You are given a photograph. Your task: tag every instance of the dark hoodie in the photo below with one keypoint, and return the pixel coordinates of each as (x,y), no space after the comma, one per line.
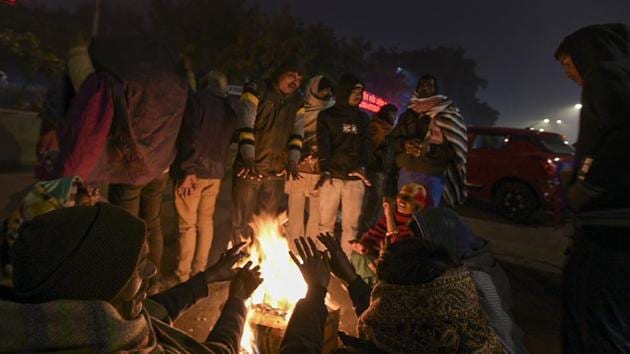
(342,134)
(601,54)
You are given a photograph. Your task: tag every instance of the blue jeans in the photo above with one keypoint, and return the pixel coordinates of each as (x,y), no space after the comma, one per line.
(433,184)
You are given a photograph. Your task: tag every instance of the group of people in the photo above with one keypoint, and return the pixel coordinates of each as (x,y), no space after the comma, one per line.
(420,280)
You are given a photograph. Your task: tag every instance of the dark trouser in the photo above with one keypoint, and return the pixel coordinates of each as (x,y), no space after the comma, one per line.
(596,294)
(372,202)
(144,201)
(251,197)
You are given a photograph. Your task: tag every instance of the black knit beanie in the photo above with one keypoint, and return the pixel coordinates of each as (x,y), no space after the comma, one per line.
(80,253)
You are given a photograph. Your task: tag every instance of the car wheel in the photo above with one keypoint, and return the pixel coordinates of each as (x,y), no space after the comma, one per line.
(516,201)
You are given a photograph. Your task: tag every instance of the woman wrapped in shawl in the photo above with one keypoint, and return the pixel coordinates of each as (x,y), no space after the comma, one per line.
(445,228)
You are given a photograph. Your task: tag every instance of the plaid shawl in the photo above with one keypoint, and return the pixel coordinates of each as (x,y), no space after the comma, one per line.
(447,116)
(443,316)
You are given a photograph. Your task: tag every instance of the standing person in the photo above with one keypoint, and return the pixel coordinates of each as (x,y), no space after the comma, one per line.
(122,125)
(271,129)
(380,163)
(596,290)
(431,144)
(204,149)
(318,96)
(344,145)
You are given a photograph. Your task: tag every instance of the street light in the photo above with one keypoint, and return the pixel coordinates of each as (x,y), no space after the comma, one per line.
(546,120)
(559,121)
(541,130)
(578,106)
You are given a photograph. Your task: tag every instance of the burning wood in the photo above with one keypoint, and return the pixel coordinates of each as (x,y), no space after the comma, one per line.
(271,305)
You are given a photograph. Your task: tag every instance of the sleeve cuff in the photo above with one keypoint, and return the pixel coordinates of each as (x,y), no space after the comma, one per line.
(294,155)
(247,151)
(316,293)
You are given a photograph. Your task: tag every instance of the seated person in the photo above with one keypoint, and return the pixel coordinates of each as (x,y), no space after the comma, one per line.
(79,284)
(449,231)
(395,224)
(424,302)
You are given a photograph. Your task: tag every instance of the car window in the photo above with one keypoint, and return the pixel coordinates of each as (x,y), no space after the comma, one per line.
(489,142)
(556,145)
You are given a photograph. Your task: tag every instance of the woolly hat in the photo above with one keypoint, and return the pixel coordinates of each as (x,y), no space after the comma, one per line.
(416,193)
(80,253)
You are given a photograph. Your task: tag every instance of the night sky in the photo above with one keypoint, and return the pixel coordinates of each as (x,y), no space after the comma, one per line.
(512,42)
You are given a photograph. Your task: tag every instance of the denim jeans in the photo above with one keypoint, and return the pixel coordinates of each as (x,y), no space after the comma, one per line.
(195,214)
(144,201)
(251,197)
(433,184)
(299,192)
(349,195)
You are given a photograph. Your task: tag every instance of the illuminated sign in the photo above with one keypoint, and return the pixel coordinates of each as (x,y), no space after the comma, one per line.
(372,102)
(9,2)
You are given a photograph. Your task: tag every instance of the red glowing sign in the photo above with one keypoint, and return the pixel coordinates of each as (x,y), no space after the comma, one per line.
(372,102)
(9,2)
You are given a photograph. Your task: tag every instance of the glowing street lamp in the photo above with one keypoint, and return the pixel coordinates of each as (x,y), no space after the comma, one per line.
(559,121)
(546,120)
(578,106)
(541,130)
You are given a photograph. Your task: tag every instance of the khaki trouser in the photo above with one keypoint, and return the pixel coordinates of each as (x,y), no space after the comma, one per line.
(196,227)
(348,195)
(298,192)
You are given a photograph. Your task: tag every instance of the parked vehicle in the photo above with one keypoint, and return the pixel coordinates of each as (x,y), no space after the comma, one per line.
(518,170)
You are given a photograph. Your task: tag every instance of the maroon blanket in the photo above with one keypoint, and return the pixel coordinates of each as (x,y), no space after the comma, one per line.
(83,135)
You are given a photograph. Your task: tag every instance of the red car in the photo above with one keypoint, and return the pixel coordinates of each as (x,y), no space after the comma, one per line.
(517,169)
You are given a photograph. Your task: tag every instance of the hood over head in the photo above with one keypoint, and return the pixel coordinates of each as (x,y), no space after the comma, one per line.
(593,45)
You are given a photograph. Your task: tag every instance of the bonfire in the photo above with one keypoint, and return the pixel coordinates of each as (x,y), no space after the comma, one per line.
(271,305)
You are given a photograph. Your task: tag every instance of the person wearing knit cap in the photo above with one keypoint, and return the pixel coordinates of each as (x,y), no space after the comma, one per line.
(317,97)
(80,283)
(270,133)
(394,225)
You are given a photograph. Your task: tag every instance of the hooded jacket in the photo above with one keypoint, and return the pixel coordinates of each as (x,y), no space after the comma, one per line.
(312,106)
(601,54)
(342,134)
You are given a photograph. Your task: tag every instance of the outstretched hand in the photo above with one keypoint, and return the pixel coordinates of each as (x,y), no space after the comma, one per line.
(339,263)
(223,269)
(245,282)
(314,265)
